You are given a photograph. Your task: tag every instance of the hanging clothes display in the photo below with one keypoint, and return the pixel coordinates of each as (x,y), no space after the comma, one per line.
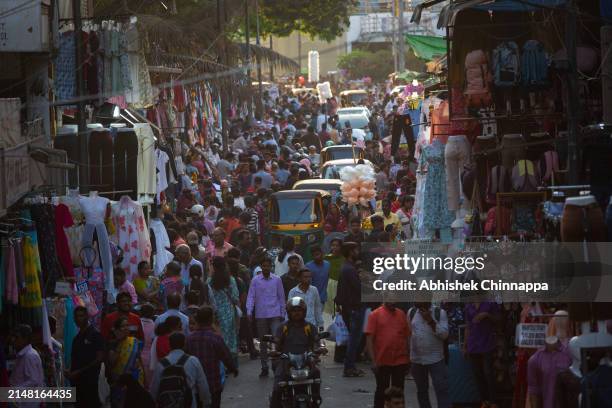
(63,219)
(435,209)
(43,216)
(146,161)
(162,256)
(65,75)
(95,210)
(131,234)
(74,233)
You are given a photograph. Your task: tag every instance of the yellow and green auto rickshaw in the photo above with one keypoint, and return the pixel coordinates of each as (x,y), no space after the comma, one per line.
(300,214)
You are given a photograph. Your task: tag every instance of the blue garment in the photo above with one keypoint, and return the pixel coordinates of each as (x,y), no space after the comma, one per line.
(281,176)
(70,331)
(65,63)
(356,317)
(435,213)
(320,277)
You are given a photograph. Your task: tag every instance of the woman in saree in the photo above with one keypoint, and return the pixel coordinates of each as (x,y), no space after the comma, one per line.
(123,358)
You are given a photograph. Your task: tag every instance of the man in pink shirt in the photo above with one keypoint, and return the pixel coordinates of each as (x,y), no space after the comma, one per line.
(28,371)
(123,285)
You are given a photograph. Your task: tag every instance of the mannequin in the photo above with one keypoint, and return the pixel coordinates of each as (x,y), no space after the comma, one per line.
(559,326)
(600,338)
(95,210)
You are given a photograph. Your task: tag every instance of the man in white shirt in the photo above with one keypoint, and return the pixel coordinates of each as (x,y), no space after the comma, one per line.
(241,143)
(184,257)
(310,294)
(427,352)
(196,379)
(174,303)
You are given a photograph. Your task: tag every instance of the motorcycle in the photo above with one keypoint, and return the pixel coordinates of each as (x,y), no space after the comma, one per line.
(296,391)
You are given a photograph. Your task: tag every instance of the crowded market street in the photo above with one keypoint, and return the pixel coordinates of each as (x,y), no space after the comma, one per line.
(304,204)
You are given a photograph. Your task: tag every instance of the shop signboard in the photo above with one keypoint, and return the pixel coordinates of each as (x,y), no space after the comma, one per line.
(24,26)
(530,335)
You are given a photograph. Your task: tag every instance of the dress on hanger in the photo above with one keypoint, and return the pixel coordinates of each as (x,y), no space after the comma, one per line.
(94,210)
(63,219)
(74,234)
(131,234)
(162,256)
(435,209)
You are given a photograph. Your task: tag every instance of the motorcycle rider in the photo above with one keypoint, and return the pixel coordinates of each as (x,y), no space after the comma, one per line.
(295,336)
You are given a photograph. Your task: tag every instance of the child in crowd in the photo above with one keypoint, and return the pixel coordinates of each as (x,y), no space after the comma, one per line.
(172,283)
(148,327)
(123,285)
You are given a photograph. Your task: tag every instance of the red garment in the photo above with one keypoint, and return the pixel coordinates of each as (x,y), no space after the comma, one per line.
(134,324)
(179,98)
(335,223)
(63,219)
(231,224)
(198,164)
(162,348)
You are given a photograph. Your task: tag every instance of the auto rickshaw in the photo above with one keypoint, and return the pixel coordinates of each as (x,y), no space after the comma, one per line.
(332,186)
(300,214)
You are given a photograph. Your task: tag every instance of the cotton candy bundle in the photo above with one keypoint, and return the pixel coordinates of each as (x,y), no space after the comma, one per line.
(358,184)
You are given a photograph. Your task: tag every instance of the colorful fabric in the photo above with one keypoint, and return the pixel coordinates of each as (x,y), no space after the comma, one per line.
(32,296)
(132,234)
(225,300)
(128,359)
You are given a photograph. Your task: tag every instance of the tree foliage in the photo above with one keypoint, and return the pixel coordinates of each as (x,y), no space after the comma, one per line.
(325,19)
(375,64)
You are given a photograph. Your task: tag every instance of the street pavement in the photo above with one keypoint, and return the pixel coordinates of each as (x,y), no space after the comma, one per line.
(248,390)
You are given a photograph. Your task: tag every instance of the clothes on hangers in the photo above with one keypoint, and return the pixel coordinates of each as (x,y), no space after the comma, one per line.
(131,234)
(63,219)
(44,217)
(162,256)
(94,209)
(146,175)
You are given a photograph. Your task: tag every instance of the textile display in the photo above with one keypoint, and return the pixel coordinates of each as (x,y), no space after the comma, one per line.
(131,234)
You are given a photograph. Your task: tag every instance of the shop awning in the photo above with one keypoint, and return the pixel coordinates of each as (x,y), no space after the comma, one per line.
(425,46)
(449,11)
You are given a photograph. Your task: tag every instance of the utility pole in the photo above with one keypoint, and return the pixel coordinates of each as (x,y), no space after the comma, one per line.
(80,86)
(259,84)
(573,108)
(400,34)
(271,65)
(223,60)
(247,43)
(394,34)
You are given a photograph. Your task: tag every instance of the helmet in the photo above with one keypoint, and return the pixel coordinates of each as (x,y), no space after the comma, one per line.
(329,143)
(296,302)
(198,210)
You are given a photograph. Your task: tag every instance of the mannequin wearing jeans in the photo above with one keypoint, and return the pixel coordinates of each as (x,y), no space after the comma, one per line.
(456,155)
(94,209)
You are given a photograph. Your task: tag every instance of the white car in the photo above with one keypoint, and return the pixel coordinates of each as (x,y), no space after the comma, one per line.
(360,123)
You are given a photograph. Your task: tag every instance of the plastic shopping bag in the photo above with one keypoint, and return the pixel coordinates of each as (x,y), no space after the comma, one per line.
(339,331)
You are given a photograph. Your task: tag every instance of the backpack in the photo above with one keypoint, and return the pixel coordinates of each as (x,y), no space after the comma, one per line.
(506,64)
(525,176)
(498,181)
(174,390)
(477,79)
(437,312)
(534,64)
